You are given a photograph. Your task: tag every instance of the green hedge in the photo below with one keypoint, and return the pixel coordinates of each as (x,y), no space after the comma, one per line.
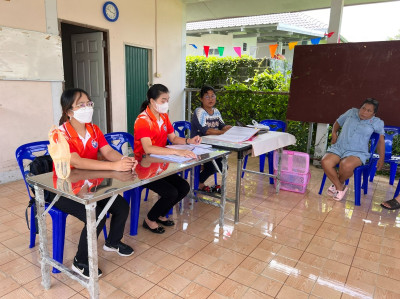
(217,71)
(249,91)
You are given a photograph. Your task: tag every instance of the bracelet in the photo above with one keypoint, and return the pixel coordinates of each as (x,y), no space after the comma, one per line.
(124,157)
(187,140)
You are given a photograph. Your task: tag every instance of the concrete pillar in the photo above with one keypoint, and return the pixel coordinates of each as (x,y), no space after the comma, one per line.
(52,28)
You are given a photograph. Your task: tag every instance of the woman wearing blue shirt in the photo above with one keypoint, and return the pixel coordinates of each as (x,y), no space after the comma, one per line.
(207,120)
(350,148)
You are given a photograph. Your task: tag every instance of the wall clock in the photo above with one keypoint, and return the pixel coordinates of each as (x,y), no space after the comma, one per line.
(110,11)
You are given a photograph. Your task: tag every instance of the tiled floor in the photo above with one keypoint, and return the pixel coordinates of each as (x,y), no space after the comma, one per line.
(288,245)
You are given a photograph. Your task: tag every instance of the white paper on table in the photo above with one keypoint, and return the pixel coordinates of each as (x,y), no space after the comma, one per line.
(273,140)
(236,134)
(187,147)
(201,150)
(173,158)
(198,149)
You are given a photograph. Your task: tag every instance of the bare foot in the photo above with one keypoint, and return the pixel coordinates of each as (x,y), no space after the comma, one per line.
(162,218)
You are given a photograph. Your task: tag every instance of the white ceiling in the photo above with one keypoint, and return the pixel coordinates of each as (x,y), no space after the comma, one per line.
(200,10)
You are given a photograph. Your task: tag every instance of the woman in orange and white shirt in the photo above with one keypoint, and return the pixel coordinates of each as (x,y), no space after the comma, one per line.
(152,128)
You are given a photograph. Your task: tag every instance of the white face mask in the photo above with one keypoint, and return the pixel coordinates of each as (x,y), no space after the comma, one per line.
(84,115)
(163,108)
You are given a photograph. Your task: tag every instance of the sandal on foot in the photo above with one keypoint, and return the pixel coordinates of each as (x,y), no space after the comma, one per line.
(206,189)
(339,195)
(216,189)
(166,222)
(393,203)
(158,230)
(331,190)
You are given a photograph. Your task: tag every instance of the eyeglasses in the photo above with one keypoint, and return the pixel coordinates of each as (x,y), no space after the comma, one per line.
(212,97)
(83,105)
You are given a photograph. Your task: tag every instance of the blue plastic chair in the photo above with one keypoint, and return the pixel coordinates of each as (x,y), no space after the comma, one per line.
(182,128)
(274,125)
(363,170)
(390,133)
(27,152)
(116,140)
(396,193)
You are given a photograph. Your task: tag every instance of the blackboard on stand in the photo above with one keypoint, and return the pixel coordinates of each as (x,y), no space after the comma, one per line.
(329,79)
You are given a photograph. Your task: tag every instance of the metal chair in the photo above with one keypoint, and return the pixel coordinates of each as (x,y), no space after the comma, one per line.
(116,140)
(274,125)
(390,133)
(363,170)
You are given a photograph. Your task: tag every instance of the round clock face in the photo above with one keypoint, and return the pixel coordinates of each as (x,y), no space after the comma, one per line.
(110,11)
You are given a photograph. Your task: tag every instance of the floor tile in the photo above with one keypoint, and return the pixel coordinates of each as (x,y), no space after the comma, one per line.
(285,245)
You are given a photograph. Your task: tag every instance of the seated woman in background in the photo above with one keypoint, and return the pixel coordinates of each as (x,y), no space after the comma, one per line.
(207,120)
(85,142)
(152,128)
(350,149)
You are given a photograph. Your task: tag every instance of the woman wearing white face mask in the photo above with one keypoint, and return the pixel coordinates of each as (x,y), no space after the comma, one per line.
(85,142)
(152,128)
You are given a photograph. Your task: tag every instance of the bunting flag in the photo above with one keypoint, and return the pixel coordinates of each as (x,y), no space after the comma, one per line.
(193,45)
(292,44)
(206,49)
(272,49)
(221,51)
(329,34)
(238,51)
(315,41)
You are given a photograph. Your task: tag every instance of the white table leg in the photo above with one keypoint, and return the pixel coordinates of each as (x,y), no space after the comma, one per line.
(278,177)
(44,252)
(238,185)
(223,190)
(92,250)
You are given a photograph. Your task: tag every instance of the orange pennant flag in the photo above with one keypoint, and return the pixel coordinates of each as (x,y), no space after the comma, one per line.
(291,45)
(272,49)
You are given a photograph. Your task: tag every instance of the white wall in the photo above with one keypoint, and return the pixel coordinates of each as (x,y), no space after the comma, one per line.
(26,109)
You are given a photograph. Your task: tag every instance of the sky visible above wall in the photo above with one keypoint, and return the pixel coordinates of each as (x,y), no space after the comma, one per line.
(370,22)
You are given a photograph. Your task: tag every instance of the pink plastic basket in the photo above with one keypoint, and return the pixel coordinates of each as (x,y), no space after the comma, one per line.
(295,170)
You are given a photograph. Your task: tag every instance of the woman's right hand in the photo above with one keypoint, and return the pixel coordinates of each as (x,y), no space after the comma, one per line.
(186,153)
(334,138)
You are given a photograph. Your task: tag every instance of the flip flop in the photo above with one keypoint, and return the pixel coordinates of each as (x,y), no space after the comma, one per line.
(393,203)
(331,190)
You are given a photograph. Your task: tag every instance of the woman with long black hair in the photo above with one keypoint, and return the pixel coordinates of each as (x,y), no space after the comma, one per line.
(152,128)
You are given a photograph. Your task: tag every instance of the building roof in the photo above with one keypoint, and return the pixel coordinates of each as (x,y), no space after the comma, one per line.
(296,19)
(285,26)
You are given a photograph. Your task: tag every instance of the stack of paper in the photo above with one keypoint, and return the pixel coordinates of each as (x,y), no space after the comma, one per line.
(198,149)
(236,134)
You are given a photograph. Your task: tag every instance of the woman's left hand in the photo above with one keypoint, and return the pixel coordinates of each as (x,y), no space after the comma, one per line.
(195,140)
